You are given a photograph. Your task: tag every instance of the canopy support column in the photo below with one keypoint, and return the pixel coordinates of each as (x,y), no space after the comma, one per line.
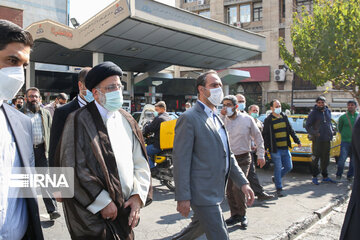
(30,75)
(97,58)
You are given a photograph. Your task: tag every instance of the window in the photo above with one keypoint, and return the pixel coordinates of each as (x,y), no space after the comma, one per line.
(257,12)
(245,13)
(189,1)
(205,13)
(307,4)
(232,15)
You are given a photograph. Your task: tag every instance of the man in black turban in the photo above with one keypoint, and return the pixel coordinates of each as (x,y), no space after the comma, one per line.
(104,145)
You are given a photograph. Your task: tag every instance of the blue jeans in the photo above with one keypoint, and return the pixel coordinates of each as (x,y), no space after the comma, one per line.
(283,165)
(151,151)
(345,152)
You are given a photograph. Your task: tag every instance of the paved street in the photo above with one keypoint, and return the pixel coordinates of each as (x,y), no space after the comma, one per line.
(267,220)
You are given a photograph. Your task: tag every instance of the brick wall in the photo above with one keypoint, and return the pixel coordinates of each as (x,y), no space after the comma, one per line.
(12,14)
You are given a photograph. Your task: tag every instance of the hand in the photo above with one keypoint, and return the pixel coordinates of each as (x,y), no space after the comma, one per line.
(57,196)
(183,207)
(261,162)
(135,204)
(110,211)
(223,111)
(299,145)
(249,194)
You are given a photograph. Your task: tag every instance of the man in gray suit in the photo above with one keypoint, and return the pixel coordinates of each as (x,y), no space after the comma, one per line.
(203,162)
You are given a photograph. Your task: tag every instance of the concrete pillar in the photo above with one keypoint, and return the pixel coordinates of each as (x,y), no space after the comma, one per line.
(97,58)
(152,90)
(226,89)
(30,75)
(130,83)
(217,10)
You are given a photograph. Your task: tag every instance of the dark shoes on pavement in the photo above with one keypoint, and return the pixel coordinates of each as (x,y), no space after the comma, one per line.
(315,181)
(264,196)
(54,215)
(279,193)
(328,180)
(237,219)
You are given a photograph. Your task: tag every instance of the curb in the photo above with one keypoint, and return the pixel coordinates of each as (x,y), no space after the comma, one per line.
(297,228)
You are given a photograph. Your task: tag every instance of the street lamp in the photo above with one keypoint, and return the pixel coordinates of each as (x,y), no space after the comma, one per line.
(74,22)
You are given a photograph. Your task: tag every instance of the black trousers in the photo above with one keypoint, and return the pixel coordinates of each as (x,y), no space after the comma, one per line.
(41,161)
(253,178)
(321,151)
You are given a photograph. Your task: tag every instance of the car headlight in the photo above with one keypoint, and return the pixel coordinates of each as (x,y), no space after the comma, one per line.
(301,149)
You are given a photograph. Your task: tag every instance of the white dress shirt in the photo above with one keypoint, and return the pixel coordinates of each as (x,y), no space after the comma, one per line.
(133,168)
(218,124)
(13,211)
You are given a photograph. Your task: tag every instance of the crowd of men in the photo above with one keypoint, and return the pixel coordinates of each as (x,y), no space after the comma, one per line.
(213,154)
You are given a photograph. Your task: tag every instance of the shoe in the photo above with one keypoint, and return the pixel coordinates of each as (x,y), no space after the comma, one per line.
(350,179)
(279,193)
(315,181)
(244,221)
(54,215)
(328,180)
(264,196)
(233,220)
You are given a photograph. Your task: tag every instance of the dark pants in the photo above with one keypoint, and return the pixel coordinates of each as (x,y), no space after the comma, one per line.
(41,161)
(321,151)
(236,198)
(253,178)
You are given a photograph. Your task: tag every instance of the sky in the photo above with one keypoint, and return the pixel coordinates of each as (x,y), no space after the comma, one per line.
(82,12)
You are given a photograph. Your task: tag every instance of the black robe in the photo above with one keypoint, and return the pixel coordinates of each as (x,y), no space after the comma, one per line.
(351,226)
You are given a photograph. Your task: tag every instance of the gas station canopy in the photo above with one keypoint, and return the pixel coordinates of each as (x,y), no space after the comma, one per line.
(142,36)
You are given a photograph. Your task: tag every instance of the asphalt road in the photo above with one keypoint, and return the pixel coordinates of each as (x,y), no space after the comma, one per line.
(267,220)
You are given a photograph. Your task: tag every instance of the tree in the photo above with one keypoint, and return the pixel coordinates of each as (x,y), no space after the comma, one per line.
(327,45)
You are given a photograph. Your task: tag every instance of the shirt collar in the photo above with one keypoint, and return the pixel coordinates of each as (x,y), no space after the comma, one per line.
(105,114)
(206,109)
(81,101)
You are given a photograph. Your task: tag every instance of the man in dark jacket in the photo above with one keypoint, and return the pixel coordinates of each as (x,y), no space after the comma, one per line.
(320,130)
(154,127)
(350,229)
(276,134)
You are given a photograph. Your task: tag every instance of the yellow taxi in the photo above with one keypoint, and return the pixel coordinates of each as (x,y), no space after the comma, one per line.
(303,153)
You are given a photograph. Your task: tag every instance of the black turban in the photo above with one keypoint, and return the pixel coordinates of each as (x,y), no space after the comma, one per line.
(100,72)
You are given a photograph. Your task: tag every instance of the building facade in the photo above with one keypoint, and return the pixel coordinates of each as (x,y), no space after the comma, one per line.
(269,77)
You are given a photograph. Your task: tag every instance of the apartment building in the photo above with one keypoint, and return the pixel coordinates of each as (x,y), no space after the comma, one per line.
(269,77)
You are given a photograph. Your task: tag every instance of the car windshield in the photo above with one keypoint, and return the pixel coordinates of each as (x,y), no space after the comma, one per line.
(298,124)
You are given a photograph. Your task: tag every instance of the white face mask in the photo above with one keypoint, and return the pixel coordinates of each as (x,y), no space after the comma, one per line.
(11,80)
(229,111)
(216,96)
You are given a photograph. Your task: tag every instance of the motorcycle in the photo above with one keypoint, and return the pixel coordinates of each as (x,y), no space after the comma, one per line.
(163,169)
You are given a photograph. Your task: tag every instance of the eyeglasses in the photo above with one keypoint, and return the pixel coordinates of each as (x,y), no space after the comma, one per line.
(113,87)
(33,96)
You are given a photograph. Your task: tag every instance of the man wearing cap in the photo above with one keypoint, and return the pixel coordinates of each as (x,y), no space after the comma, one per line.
(104,145)
(320,130)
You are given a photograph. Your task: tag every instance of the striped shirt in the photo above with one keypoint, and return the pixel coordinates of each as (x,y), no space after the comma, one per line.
(279,126)
(37,127)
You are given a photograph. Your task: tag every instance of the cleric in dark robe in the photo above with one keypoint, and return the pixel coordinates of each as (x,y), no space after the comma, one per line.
(351,227)
(105,146)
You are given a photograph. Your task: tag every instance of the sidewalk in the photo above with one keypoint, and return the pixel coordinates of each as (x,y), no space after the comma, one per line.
(267,220)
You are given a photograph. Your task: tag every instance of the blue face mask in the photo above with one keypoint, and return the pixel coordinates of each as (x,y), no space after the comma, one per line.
(241,106)
(277,110)
(113,100)
(255,115)
(89,96)
(156,114)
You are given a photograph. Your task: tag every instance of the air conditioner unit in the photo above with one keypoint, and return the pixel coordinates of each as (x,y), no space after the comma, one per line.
(279,75)
(200,2)
(238,24)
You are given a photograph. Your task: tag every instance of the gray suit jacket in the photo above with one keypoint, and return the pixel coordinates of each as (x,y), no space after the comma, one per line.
(200,160)
(21,127)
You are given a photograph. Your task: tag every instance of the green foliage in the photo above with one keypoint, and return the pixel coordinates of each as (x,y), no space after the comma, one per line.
(327,44)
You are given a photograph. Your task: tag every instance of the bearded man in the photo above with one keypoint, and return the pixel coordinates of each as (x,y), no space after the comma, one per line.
(104,145)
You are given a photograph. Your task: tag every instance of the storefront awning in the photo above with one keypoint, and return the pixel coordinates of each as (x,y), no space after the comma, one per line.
(258,74)
(231,76)
(144,35)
